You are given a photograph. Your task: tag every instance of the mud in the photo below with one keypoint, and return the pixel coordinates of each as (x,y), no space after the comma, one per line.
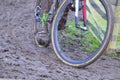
(21,58)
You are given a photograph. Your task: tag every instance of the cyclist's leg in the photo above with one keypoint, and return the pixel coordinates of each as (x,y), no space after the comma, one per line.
(42,35)
(63,20)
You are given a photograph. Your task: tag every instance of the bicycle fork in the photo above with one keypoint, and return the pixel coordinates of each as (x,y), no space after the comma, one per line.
(77,5)
(38,13)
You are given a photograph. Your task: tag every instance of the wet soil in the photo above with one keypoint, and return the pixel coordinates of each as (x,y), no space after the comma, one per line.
(21,58)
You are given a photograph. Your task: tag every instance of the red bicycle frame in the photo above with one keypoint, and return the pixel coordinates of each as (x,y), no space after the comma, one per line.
(84,12)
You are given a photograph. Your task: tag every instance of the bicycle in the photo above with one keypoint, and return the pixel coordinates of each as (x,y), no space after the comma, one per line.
(86,31)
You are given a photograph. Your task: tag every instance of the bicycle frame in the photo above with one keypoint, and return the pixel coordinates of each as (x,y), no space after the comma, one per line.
(77,8)
(77,5)
(84,12)
(71,9)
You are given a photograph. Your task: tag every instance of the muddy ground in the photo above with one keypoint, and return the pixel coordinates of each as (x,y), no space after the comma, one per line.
(21,58)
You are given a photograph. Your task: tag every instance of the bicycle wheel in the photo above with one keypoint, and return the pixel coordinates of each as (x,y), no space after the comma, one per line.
(78,47)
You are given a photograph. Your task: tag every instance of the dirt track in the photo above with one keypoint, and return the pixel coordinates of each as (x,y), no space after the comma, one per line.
(21,58)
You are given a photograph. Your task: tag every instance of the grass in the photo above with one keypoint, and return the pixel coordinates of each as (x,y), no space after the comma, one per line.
(87,41)
(44,19)
(118,41)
